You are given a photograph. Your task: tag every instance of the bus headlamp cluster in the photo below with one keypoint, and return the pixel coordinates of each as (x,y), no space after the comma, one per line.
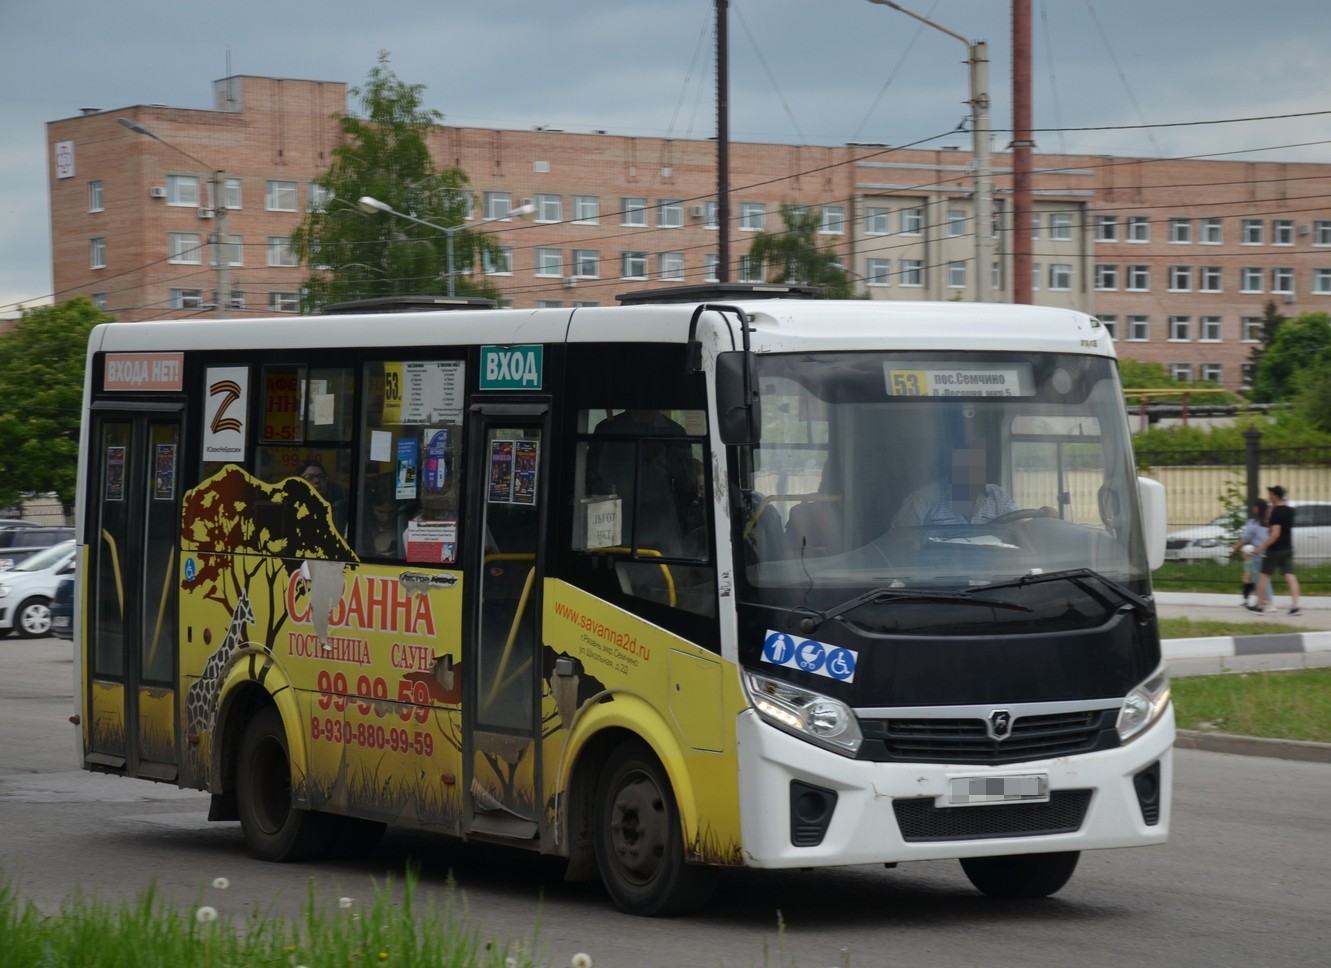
(1144,705)
(809,715)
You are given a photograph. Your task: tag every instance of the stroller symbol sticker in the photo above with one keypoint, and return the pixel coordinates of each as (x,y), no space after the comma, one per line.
(810,655)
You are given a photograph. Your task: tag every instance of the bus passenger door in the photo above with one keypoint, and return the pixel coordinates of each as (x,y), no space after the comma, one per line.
(506,513)
(130,592)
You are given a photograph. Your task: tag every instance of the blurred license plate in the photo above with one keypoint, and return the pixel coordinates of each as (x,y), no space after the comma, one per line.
(60,621)
(972,791)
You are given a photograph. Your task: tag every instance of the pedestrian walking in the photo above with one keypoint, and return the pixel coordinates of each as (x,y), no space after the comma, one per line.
(1251,535)
(1278,553)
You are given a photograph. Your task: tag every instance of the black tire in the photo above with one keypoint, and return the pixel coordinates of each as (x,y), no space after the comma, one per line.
(1021,875)
(32,618)
(274,828)
(640,841)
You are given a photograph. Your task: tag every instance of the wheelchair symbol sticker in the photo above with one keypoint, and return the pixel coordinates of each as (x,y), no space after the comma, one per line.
(189,569)
(810,655)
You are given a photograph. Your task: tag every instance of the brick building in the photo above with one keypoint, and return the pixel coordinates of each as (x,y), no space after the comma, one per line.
(1179,257)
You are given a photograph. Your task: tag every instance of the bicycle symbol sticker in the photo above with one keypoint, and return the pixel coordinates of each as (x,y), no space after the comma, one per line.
(809,655)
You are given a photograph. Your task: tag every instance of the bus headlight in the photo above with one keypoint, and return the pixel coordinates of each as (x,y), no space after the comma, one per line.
(1144,705)
(809,715)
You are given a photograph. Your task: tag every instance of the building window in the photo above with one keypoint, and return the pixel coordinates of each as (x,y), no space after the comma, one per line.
(877,272)
(1211,233)
(831,220)
(633,265)
(1282,280)
(586,209)
(1282,231)
(751,216)
(1106,228)
(280,252)
(233,247)
(1180,230)
(1210,279)
(184,248)
(498,205)
(1060,276)
(877,221)
(1253,328)
(550,262)
(1250,279)
(633,211)
(1247,371)
(498,263)
(710,263)
(587,263)
(912,221)
(1252,231)
(549,208)
(912,272)
(1035,225)
(182,190)
(1180,278)
(750,270)
(99,300)
(1106,276)
(549,304)
(1322,282)
(96,201)
(1322,231)
(1139,329)
(1182,372)
(670,266)
(670,214)
(1110,323)
(1060,226)
(1210,329)
(1139,278)
(1139,228)
(186,298)
(280,196)
(956,275)
(284,302)
(1213,372)
(317,197)
(956,223)
(711,215)
(1035,276)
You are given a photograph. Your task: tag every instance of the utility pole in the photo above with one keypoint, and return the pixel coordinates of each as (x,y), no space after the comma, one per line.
(1022,248)
(722,141)
(220,247)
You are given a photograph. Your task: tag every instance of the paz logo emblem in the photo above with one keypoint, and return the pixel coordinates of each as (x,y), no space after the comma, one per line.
(1000,724)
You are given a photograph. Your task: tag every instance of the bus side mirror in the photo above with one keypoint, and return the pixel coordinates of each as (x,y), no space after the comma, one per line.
(737,408)
(1151,498)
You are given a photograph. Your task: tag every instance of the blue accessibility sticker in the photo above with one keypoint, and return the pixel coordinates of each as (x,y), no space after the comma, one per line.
(810,655)
(189,569)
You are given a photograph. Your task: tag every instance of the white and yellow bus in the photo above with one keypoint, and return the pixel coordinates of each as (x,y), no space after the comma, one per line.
(657,588)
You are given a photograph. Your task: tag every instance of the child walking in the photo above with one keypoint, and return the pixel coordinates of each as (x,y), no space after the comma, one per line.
(1251,536)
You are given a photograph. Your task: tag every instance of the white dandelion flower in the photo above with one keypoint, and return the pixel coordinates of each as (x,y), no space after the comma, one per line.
(221,883)
(345,902)
(205,914)
(581,960)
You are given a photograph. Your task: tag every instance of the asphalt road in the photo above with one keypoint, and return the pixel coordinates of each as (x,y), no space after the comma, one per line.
(1244,880)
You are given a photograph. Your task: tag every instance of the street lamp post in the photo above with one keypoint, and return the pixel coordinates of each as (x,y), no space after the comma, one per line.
(372,205)
(977,58)
(218,238)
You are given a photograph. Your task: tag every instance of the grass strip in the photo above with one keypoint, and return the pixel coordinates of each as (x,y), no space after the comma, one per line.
(1275,705)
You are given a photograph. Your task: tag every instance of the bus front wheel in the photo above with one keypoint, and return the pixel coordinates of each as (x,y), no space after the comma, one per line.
(274,828)
(1021,875)
(639,840)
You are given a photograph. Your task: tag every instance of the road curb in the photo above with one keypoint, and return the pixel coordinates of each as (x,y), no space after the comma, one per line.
(1284,749)
(1227,646)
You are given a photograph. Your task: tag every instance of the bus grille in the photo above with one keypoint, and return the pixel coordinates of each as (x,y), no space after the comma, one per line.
(921,820)
(968,741)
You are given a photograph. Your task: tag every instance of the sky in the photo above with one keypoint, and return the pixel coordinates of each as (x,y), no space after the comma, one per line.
(1142,78)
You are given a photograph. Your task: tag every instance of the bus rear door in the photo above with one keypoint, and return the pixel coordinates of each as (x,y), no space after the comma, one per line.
(133,515)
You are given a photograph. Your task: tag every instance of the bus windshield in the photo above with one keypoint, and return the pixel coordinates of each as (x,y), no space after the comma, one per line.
(933,471)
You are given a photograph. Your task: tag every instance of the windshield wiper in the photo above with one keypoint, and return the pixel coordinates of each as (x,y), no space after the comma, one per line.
(1083,578)
(812,618)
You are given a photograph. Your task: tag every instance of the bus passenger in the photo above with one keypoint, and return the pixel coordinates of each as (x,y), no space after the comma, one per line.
(316,475)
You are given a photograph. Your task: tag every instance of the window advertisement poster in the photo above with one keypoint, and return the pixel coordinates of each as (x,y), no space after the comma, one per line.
(432,542)
(164,472)
(115,473)
(526,458)
(436,461)
(225,413)
(407,468)
(501,472)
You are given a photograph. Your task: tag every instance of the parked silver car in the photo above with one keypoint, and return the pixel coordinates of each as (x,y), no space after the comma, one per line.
(26,590)
(1215,541)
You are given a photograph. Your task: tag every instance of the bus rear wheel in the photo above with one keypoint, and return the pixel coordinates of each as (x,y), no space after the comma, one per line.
(1021,875)
(274,828)
(639,839)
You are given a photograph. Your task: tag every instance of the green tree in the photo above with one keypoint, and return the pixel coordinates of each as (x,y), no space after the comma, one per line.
(385,154)
(1299,344)
(41,399)
(793,255)
(1272,320)
(1149,375)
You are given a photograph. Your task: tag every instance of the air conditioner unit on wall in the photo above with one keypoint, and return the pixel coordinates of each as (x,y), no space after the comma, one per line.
(157,191)
(697,211)
(205,213)
(570,282)
(1305,230)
